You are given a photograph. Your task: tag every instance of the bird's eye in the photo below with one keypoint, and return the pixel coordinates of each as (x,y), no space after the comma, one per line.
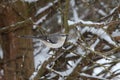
(51,41)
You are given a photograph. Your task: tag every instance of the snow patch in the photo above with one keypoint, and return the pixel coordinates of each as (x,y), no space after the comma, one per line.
(30,1)
(1,53)
(45,8)
(99,32)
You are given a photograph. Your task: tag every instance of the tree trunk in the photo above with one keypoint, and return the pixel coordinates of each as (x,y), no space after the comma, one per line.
(18,53)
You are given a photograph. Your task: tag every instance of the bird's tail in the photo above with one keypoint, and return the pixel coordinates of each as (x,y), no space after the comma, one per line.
(32,37)
(28,36)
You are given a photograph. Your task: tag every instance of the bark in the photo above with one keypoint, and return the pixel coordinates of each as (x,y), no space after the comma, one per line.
(18,53)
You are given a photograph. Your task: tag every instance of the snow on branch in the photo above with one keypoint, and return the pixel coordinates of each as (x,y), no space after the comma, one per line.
(96,52)
(45,7)
(40,21)
(113,11)
(96,28)
(92,24)
(91,76)
(30,1)
(100,33)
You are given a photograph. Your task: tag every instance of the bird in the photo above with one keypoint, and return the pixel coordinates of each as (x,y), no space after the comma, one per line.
(54,40)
